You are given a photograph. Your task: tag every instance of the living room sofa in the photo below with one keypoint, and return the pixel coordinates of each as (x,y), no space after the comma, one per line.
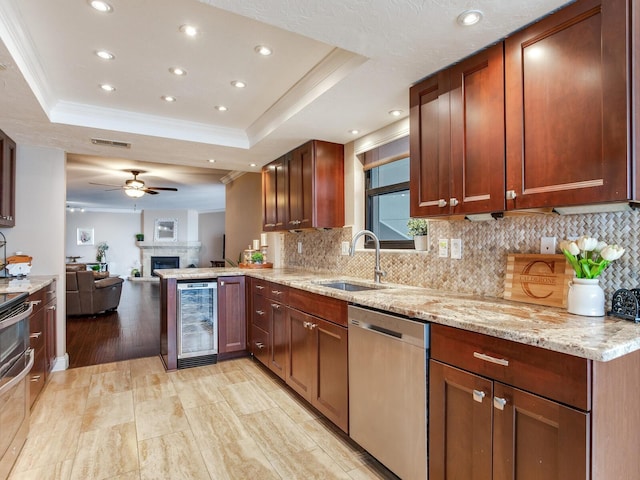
(88,295)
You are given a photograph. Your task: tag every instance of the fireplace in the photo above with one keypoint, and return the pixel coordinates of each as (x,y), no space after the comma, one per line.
(158,263)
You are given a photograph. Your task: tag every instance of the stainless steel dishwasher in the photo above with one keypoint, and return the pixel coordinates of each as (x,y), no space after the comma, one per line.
(388,389)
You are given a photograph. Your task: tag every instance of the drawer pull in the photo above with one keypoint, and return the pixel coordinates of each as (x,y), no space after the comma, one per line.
(499,403)
(35,335)
(478,395)
(260,312)
(35,378)
(259,287)
(260,345)
(276,292)
(275,306)
(487,358)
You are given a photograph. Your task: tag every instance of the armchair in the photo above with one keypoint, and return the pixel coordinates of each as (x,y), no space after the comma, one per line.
(87,295)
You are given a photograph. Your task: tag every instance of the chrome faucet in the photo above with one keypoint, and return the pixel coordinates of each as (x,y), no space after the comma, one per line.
(377,272)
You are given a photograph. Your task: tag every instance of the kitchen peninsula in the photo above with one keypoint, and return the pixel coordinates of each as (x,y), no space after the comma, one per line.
(567,379)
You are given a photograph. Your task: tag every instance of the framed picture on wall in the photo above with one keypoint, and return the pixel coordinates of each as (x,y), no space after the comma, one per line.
(84,236)
(166,230)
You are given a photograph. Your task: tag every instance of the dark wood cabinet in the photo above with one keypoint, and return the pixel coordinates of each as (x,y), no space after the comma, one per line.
(42,337)
(568,107)
(305,188)
(457,138)
(7,181)
(232,317)
(482,429)
(274,195)
(300,368)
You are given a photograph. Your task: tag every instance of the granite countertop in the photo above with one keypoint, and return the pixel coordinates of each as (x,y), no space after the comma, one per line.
(595,338)
(29,284)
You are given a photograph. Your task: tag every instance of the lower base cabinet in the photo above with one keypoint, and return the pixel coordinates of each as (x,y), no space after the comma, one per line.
(42,337)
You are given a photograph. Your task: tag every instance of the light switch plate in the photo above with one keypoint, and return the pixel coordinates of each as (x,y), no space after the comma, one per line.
(443,247)
(299,247)
(548,245)
(456,248)
(345,248)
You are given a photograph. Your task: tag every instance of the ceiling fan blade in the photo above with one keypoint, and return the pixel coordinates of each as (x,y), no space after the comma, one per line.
(105,184)
(150,192)
(168,189)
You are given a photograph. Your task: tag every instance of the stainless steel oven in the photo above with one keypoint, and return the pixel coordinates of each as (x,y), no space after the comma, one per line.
(16,360)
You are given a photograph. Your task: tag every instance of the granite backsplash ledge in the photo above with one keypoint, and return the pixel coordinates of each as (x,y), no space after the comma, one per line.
(485,246)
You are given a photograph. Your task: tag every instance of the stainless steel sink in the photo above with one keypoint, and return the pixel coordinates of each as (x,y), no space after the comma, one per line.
(349,287)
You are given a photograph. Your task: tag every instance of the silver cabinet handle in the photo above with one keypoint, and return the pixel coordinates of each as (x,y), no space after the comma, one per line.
(487,358)
(52,307)
(312,325)
(276,292)
(306,324)
(35,378)
(499,403)
(260,345)
(478,395)
(511,195)
(221,284)
(275,306)
(260,312)
(442,203)
(35,335)
(259,287)
(454,202)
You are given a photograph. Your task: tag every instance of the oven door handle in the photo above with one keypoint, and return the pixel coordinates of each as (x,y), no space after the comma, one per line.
(17,318)
(18,378)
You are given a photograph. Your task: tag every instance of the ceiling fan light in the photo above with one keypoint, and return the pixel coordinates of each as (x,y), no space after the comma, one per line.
(134,192)
(135,183)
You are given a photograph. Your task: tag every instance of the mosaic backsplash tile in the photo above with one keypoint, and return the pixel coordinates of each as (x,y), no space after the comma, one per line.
(485,246)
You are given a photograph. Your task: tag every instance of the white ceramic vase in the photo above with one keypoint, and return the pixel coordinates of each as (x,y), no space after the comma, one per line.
(421,242)
(585,297)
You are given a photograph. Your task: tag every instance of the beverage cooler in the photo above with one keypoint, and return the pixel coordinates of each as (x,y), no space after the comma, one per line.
(197,324)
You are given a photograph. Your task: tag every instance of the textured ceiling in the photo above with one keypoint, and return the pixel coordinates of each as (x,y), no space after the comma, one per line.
(336,66)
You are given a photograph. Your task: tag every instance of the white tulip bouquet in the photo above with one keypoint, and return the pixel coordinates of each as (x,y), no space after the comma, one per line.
(588,256)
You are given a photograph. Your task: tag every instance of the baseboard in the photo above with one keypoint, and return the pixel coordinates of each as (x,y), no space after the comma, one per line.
(62,363)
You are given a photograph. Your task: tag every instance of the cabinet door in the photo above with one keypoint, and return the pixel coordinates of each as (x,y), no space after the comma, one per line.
(278,346)
(477,133)
(331,387)
(7,181)
(232,326)
(274,195)
(566,107)
(430,146)
(300,365)
(536,438)
(460,411)
(50,329)
(300,187)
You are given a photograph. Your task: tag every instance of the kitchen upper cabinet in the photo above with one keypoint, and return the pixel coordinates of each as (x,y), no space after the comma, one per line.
(7,181)
(305,188)
(568,107)
(457,138)
(232,317)
(274,195)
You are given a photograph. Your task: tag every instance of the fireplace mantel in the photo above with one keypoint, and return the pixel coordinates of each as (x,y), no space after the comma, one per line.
(186,251)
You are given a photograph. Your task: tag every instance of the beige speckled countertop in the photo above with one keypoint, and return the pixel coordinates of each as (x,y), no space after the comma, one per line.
(595,338)
(29,284)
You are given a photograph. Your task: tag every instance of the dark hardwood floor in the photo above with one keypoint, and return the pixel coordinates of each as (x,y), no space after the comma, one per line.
(133,331)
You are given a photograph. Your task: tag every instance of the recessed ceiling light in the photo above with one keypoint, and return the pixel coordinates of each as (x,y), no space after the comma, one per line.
(263,50)
(221,108)
(189,30)
(212,160)
(168,98)
(395,113)
(101,6)
(105,55)
(252,165)
(107,88)
(238,84)
(354,132)
(178,71)
(469,17)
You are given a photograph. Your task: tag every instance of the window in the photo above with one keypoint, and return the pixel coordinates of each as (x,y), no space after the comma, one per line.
(387,194)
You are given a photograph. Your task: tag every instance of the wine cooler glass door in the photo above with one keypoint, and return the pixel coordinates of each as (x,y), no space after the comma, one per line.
(197,319)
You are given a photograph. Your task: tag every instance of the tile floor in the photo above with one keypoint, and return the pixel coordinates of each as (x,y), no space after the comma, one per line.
(132,420)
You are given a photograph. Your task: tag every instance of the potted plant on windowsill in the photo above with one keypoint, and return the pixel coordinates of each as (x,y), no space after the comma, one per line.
(419,229)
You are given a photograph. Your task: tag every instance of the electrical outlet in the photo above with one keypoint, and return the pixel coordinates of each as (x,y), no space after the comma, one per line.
(443,247)
(345,248)
(456,248)
(299,247)
(548,245)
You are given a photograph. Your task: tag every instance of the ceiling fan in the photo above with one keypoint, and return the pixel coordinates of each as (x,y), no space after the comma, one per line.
(136,188)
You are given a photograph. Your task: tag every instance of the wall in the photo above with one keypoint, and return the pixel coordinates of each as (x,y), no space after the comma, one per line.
(117,229)
(40,219)
(243,219)
(211,228)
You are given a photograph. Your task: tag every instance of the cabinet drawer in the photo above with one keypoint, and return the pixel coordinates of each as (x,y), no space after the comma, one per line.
(36,377)
(260,313)
(270,290)
(321,306)
(553,375)
(260,344)
(36,329)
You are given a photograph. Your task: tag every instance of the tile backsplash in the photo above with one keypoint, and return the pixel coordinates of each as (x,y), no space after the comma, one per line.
(485,246)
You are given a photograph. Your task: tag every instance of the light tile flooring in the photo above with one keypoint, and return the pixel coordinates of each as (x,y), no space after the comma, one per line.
(132,420)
